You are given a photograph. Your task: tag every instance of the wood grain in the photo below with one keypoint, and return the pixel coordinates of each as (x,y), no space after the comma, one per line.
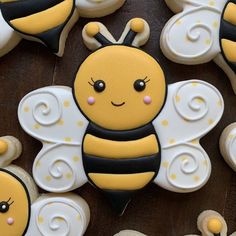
(154,211)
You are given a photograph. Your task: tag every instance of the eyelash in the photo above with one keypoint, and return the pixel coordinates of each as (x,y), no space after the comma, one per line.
(146,80)
(92,82)
(9,201)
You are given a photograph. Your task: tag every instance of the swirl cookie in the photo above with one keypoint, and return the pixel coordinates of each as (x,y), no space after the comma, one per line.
(211,223)
(48,22)
(101,143)
(23,212)
(202,31)
(228,145)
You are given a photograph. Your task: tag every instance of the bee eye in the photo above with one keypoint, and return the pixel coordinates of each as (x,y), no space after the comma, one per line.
(139,85)
(99,86)
(4,207)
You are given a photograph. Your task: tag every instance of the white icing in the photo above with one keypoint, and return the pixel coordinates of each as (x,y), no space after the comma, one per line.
(129,233)
(192,35)
(192,109)
(8,38)
(51,116)
(59,215)
(98,8)
(228,145)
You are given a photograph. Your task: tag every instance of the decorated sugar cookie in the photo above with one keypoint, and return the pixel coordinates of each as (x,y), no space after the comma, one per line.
(228,145)
(48,22)
(121,127)
(23,213)
(202,31)
(129,233)
(211,223)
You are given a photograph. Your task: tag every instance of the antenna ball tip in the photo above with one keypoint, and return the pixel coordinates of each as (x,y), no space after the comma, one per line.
(92,29)
(214,226)
(3,147)
(137,25)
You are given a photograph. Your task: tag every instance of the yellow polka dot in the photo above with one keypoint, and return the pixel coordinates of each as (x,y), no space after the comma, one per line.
(172,141)
(219,103)
(78,217)
(68,175)
(211,3)
(199,100)
(205,163)
(37,126)
(26,109)
(165,123)
(48,178)
(38,164)
(231,136)
(198,21)
(80,123)
(184,158)
(173,177)
(215,24)
(66,103)
(178,22)
(60,219)
(210,121)
(60,122)
(194,84)
(75,158)
(40,220)
(177,98)
(196,178)
(165,164)
(68,139)
(194,141)
(208,41)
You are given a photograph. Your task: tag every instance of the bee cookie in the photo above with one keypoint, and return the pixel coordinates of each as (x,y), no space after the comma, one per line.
(114,128)
(228,145)
(211,223)
(202,31)
(23,213)
(129,233)
(48,22)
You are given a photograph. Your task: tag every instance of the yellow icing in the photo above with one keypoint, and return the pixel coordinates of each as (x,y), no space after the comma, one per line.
(19,210)
(45,20)
(229,48)
(3,147)
(229,14)
(92,29)
(119,67)
(214,226)
(137,25)
(117,149)
(121,181)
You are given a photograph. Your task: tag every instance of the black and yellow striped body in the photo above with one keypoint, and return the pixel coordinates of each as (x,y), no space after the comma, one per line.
(44,20)
(121,162)
(228,34)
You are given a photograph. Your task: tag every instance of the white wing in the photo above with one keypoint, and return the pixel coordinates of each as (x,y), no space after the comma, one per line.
(51,116)
(8,37)
(192,109)
(59,215)
(92,9)
(192,36)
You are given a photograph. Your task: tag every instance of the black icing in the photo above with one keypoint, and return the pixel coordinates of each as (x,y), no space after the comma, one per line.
(139,85)
(227,31)
(4,207)
(99,86)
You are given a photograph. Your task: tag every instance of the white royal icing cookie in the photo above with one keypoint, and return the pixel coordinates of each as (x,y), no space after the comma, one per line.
(202,31)
(228,145)
(129,233)
(23,212)
(48,22)
(88,134)
(211,223)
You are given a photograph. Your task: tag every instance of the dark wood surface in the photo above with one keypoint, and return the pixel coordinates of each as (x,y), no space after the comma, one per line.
(153,211)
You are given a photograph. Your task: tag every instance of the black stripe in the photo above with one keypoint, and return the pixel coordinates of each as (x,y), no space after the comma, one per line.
(94,164)
(129,38)
(22,8)
(228,31)
(121,135)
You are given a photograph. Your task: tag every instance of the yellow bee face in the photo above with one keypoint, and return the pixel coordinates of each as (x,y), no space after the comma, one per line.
(14,205)
(120,88)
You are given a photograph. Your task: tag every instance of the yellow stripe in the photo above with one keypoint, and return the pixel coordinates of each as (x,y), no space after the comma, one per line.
(230,13)
(120,149)
(229,48)
(44,20)
(121,181)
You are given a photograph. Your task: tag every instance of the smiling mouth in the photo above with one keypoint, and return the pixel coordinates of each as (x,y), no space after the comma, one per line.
(118,104)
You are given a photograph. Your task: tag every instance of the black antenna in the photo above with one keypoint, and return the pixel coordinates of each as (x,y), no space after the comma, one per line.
(129,38)
(102,39)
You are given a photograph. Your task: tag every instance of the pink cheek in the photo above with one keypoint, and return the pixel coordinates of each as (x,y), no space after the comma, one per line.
(147,100)
(10,221)
(91,100)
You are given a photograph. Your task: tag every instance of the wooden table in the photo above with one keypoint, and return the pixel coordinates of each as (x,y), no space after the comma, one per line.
(153,211)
